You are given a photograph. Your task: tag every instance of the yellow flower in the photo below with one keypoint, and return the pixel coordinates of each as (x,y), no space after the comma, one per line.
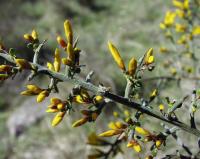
(169,18)
(57,60)
(161,107)
(135,145)
(116,55)
(180,28)
(111,133)
(35,89)
(149,58)
(163,50)
(132,66)
(55,101)
(80,122)
(34,34)
(182,40)
(196,30)
(28,37)
(70,51)
(112,125)
(154,93)
(180,13)
(50,66)
(68,31)
(58,118)
(42,95)
(115,114)
(142,131)
(158,143)
(98,99)
(178,4)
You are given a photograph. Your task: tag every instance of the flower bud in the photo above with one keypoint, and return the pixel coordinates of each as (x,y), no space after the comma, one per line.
(68,31)
(34,34)
(58,118)
(33,88)
(42,96)
(111,133)
(57,60)
(149,58)
(142,131)
(80,122)
(116,56)
(132,66)
(28,37)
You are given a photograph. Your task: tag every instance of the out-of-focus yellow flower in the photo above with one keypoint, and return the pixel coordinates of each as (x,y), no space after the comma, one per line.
(178,4)
(180,13)
(127,113)
(196,30)
(116,55)
(164,50)
(80,122)
(111,133)
(149,58)
(182,40)
(180,28)
(142,131)
(154,94)
(169,18)
(158,143)
(58,118)
(132,66)
(173,71)
(116,114)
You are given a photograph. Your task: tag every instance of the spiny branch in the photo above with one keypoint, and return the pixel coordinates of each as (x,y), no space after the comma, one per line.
(106,93)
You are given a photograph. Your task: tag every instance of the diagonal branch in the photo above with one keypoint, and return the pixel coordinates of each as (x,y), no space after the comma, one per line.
(106,93)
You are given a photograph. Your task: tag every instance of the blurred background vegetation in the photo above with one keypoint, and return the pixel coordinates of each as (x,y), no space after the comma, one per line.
(133,25)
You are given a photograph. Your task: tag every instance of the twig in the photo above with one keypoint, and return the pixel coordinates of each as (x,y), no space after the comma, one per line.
(106,93)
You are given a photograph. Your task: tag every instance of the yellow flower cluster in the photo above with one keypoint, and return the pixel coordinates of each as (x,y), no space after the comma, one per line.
(32,38)
(35,90)
(57,62)
(116,129)
(132,67)
(70,48)
(57,106)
